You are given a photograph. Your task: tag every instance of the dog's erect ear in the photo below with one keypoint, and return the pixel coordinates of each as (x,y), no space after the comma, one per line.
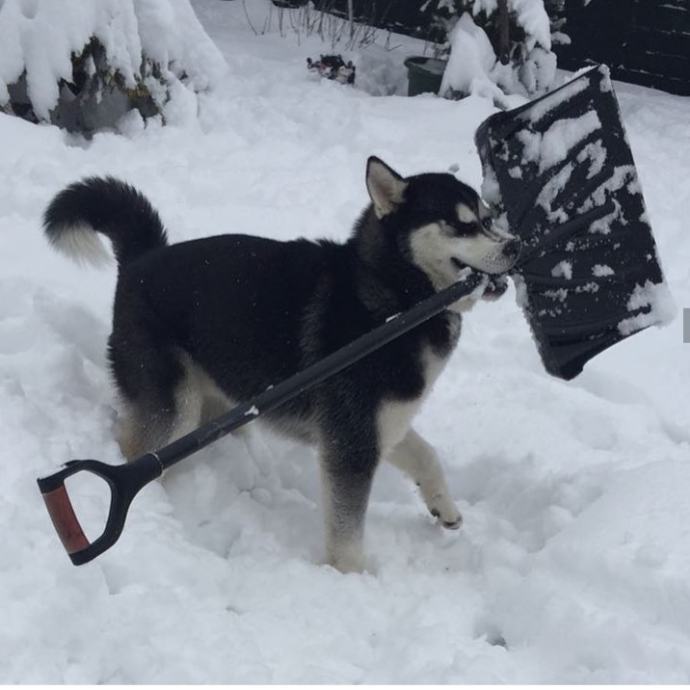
(385,186)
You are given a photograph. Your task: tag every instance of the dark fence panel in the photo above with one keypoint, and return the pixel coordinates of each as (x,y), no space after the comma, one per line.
(409,17)
(643,41)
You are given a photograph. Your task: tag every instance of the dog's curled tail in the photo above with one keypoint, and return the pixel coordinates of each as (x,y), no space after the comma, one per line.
(107,206)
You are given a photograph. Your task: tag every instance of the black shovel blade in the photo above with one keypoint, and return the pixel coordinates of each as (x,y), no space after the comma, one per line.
(560,175)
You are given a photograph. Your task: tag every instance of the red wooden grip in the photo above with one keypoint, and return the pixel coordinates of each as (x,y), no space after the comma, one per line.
(65,521)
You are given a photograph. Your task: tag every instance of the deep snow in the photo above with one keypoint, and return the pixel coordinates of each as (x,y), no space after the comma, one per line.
(572,564)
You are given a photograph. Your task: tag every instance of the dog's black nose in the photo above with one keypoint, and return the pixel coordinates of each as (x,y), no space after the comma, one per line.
(512,248)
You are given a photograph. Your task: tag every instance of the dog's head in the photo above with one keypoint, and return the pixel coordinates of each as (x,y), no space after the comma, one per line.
(440,223)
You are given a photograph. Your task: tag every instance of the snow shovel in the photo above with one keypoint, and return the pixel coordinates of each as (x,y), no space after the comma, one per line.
(560,175)
(125,481)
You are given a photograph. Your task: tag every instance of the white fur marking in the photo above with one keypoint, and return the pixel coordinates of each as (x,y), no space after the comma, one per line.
(465,214)
(395,417)
(385,187)
(433,249)
(82,244)
(431,252)
(195,390)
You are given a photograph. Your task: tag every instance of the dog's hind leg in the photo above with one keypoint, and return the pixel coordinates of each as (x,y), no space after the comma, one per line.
(160,393)
(141,429)
(189,401)
(152,424)
(162,417)
(416,458)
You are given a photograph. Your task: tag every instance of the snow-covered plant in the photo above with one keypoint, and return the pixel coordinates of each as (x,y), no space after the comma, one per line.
(84,64)
(511,58)
(471,62)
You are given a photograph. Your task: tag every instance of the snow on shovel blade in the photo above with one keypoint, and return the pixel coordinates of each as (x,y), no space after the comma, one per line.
(560,175)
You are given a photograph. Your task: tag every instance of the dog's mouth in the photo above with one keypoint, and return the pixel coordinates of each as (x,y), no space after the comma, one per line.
(494,260)
(461,265)
(496,286)
(457,263)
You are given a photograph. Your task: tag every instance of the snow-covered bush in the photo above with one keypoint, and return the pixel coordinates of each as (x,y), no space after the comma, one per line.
(84,64)
(471,62)
(526,65)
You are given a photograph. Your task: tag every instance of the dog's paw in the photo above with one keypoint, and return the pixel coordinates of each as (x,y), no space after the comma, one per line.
(448,516)
(348,559)
(457,524)
(350,565)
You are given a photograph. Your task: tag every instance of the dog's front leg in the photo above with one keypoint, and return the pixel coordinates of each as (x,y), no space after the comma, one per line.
(414,456)
(347,474)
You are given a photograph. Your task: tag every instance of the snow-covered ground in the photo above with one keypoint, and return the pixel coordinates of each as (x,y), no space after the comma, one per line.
(573,562)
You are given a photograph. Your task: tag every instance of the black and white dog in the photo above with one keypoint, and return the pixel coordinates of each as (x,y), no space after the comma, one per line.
(201,325)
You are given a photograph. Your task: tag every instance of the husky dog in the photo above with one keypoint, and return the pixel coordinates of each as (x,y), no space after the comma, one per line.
(201,325)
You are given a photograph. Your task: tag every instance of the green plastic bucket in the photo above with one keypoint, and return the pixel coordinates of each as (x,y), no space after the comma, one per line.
(424,74)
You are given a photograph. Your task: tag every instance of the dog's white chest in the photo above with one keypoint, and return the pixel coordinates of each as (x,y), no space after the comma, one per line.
(395,417)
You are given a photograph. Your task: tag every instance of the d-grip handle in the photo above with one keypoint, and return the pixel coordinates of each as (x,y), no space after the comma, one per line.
(64,520)
(124,481)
